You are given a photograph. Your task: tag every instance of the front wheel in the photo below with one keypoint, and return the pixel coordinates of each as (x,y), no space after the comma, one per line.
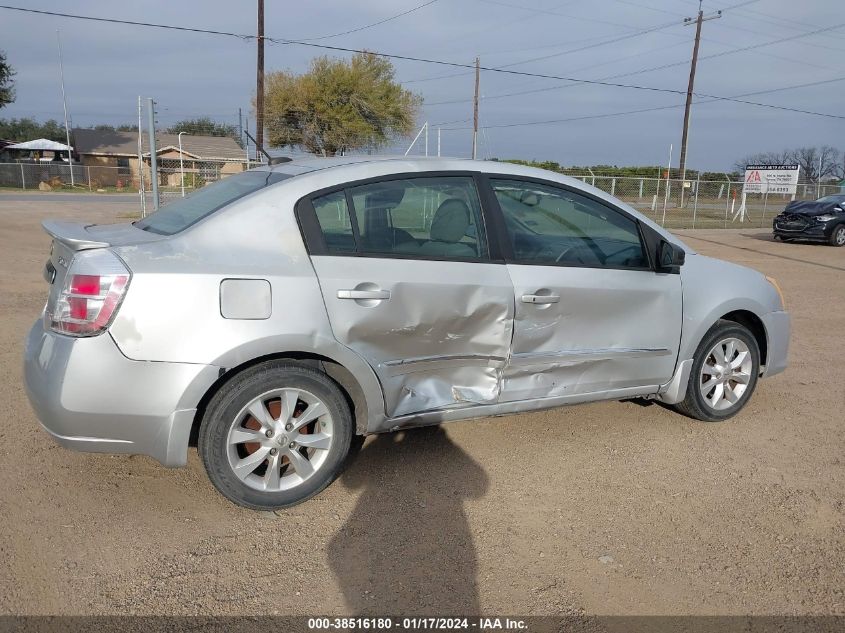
(837,237)
(275,435)
(724,373)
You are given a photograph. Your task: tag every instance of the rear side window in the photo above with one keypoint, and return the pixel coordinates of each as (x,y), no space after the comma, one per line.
(426,217)
(183,212)
(335,222)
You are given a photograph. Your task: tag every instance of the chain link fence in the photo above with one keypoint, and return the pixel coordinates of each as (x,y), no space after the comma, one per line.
(678,204)
(672,203)
(177,178)
(55,175)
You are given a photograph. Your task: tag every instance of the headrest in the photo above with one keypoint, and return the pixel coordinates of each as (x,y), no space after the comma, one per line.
(387,196)
(450,221)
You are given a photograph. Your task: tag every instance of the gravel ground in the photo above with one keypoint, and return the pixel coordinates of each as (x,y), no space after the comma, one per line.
(610,508)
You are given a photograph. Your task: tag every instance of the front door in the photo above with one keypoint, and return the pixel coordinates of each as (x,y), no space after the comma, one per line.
(405,272)
(591,315)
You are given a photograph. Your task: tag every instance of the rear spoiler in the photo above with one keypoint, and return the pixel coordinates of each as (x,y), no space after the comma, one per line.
(72,234)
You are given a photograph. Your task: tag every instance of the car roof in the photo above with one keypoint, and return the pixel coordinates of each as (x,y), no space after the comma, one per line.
(306,164)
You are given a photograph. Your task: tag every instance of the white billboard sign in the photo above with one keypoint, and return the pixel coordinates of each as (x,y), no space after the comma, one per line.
(771,179)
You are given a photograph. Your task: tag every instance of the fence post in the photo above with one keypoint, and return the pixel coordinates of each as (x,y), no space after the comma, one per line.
(613,187)
(88,170)
(695,204)
(23,178)
(727,204)
(765,205)
(641,188)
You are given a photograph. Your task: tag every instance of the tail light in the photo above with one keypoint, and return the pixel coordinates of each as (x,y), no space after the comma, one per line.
(94,286)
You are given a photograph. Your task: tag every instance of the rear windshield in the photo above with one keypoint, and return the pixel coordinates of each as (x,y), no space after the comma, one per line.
(183,212)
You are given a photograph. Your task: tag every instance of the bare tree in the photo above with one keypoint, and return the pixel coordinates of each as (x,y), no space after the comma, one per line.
(816,162)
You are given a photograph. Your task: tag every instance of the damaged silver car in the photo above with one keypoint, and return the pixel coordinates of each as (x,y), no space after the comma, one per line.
(271,317)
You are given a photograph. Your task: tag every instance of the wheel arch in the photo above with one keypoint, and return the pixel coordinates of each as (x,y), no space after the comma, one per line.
(755,325)
(360,403)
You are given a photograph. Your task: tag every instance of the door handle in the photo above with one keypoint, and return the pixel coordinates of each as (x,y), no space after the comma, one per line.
(540,298)
(363,294)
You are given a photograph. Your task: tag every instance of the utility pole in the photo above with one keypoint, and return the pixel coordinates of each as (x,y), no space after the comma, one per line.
(151,121)
(141,163)
(259,79)
(687,21)
(64,105)
(475,112)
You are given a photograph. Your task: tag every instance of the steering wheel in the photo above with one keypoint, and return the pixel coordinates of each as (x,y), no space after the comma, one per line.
(636,253)
(577,252)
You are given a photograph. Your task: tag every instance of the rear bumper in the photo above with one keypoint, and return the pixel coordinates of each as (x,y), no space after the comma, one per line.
(778,327)
(89,397)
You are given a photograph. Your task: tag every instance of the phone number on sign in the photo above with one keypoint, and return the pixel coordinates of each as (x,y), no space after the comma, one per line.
(381,624)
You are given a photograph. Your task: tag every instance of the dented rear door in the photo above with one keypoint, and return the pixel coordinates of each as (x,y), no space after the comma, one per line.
(409,284)
(436,333)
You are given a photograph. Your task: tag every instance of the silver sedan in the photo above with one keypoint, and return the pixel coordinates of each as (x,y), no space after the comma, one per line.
(277,314)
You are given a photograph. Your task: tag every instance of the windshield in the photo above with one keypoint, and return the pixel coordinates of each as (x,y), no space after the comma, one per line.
(183,212)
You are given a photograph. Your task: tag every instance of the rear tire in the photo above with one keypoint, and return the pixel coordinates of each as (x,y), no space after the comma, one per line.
(837,236)
(724,373)
(275,435)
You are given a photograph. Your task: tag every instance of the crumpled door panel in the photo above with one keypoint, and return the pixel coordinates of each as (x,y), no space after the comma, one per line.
(439,340)
(608,329)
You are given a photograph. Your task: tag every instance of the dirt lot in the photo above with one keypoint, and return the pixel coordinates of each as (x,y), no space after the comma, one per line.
(609,508)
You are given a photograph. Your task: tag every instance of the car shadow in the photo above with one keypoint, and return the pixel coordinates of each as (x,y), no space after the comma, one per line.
(407,546)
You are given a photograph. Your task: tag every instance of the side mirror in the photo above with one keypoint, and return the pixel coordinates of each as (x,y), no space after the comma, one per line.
(670,257)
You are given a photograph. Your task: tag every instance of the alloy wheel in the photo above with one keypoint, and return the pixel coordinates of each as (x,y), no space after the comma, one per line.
(725,373)
(280,439)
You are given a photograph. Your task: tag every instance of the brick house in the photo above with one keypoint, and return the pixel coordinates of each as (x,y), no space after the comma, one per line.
(113,157)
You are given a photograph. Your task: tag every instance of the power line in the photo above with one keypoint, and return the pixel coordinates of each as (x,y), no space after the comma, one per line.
(369,26)
(656,28)
(438,62)
(650,109)
(558,87)
(579,49)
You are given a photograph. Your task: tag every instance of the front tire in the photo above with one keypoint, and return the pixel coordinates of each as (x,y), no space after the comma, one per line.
(837,236)
(724,373)
(275,435)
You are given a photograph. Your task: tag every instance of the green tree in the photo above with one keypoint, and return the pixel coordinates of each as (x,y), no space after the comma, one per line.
(338,105)
(203,126)
(123,127)
(26,129)
(7,90)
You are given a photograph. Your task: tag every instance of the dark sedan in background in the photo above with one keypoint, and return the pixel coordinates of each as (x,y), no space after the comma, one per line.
(821,220)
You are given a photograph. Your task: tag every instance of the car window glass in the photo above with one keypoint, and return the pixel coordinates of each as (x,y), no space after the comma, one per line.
(181,213)
(335,224)
(547,225)
(438,217)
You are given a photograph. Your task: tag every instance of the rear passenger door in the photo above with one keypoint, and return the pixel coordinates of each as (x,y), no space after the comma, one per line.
(410,284)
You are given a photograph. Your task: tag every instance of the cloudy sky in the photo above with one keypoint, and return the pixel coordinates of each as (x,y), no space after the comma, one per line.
(757,47)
